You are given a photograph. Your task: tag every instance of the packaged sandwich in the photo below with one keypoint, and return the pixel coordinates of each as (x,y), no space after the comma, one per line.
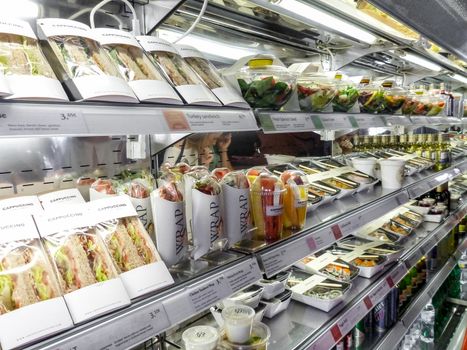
(85,268)
(209,75)
(28,285)
(170,222)
(132,250)
(62,197)
(189,178)
(206,216)
(236,206)
(102,188)
(24,71)
(81,64)
(135,66)
(178,72)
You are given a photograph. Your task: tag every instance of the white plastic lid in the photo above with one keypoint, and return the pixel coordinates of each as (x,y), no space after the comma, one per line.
(201,337)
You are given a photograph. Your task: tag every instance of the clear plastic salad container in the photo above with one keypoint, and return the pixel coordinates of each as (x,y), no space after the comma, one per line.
(265,85)
(346,96)
(394,99)
(371,99)
(315,92)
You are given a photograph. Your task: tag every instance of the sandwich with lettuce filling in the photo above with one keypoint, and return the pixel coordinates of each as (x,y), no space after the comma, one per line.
(128,242)
(26,277)
(81,259)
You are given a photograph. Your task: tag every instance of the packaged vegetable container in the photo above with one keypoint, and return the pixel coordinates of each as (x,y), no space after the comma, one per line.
(80,63)
(315,91)
(210,76)
(267,202)
(178,72)
(168,211)
(346,96)
(296,198)
(371,99)
(133,253)
(86,272)
(329,265)
(25,73)
(29,288)
(236,206)
(264,85)
(136,67)
(394,99)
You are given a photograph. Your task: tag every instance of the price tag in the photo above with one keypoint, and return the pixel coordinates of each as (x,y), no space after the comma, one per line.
(207,120)
(366,121)
(398,120)
(209,293)
(123,332)
(336,231)
(243,275)
(351,317)
(69,121)
(331,121)
(368,303)
(413,259)
(418,190)
(280,122)
(336,333)
(277,260)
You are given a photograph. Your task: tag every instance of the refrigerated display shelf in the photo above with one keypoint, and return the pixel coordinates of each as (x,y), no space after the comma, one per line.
(321,330)
(152,315)
(340,218)
(394,335)
(276,122)
(103,119)
(459,334)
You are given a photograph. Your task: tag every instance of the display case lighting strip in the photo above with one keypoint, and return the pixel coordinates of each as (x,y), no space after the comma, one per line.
(312,14)
(421,62)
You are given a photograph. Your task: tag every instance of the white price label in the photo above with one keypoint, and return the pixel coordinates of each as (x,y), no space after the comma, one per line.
(413,258)
(398,120)
(367,121)
(209,293)
(352,317)
(124,332)
(381,290)
(327,340)
(243,275)
(398,273)
(280,122)
(65,122)
(277,260)
(204,121)
(418,190)
(333,122)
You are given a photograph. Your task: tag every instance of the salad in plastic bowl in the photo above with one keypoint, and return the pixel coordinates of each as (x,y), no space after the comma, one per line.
(423,106)
(394,99)
(346,97)
(371,99)
(315,92)
(264,85)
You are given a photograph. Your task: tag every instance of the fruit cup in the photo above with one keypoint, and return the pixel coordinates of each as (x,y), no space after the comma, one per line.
(267,203)
(296,197)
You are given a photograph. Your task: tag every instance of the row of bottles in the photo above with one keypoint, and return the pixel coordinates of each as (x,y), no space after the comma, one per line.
(411,284)
(431,146)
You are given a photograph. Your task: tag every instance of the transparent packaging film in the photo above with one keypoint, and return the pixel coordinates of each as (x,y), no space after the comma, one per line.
(26,276)
(82,56)
(128,243)
(206,71)
(80,257)
(132,62)
(21,55)
(176,69)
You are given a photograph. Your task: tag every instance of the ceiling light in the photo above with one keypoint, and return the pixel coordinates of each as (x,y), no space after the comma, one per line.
(311,14)
(20,9)
(421,62)
(210,47)
(460,78)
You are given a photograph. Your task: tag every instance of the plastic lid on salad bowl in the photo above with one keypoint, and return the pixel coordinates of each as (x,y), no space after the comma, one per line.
(267,183)
(315,91)
(371,99)
(264,85)
(346,96)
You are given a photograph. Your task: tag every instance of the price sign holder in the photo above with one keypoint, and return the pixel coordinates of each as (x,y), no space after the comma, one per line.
(286,122)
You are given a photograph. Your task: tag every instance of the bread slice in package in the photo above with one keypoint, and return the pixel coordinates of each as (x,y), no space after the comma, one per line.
(24,71)
(31,305)
(84,68)
(185,80)
(133,252)
(134,65)
(209,75)
(86,272)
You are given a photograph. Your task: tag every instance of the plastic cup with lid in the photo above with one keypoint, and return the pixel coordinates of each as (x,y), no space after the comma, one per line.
(238,322)
(201,338)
